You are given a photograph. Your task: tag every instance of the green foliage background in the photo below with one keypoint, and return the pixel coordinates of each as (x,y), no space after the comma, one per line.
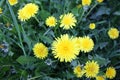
(19,62)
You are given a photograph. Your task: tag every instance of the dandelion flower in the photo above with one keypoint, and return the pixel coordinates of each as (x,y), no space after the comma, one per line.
(22,15)
(86,2)
(31,9)
(91,69)
(64,48)
(113,33)
(28,11)
(92,26)
(68,21)
(100,1)
(0,10)
(51,21)
(78,42)
(100,78)
(13,2)
(40,50)
(87,44)
(110,72)
(78,71)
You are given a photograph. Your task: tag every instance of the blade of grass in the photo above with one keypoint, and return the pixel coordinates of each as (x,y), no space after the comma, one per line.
(1,2)
(16,26)
(27,40)
(91,9)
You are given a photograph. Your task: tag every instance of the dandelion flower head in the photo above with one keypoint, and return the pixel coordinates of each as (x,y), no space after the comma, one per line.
(64,48)
(40,50)
(68,21)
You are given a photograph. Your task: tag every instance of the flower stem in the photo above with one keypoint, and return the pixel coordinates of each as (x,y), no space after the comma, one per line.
(36,19)
(81,16)
(91,10)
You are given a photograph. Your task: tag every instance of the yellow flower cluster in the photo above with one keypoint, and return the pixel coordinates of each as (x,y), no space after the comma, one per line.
(28,11)
(66,48)
(67,21)
(13,2)
(91,69)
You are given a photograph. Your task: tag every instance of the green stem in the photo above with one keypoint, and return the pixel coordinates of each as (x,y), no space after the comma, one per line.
(47,31)
(91,10)
(101,22)
(33,78)
(37,19)
(17,27)
(81,16)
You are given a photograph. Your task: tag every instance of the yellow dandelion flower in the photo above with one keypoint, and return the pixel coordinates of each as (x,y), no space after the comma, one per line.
(100,1)
(91,69)
(78,71)
(51,21)
(86,2)
(65,49)
(110,72)
(113,33)
(100,78)
(68,21)
(40,50)
(31,9)
(22,15)
(78,42)
(0,10)
(13,2)
(92,26)
(28,11)
(87,44)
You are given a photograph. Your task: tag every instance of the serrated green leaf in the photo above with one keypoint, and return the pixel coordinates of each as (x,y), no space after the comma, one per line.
(101,61)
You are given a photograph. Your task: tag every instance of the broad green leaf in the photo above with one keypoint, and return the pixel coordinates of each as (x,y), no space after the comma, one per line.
(25,59)
(44,14)
(75,11)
